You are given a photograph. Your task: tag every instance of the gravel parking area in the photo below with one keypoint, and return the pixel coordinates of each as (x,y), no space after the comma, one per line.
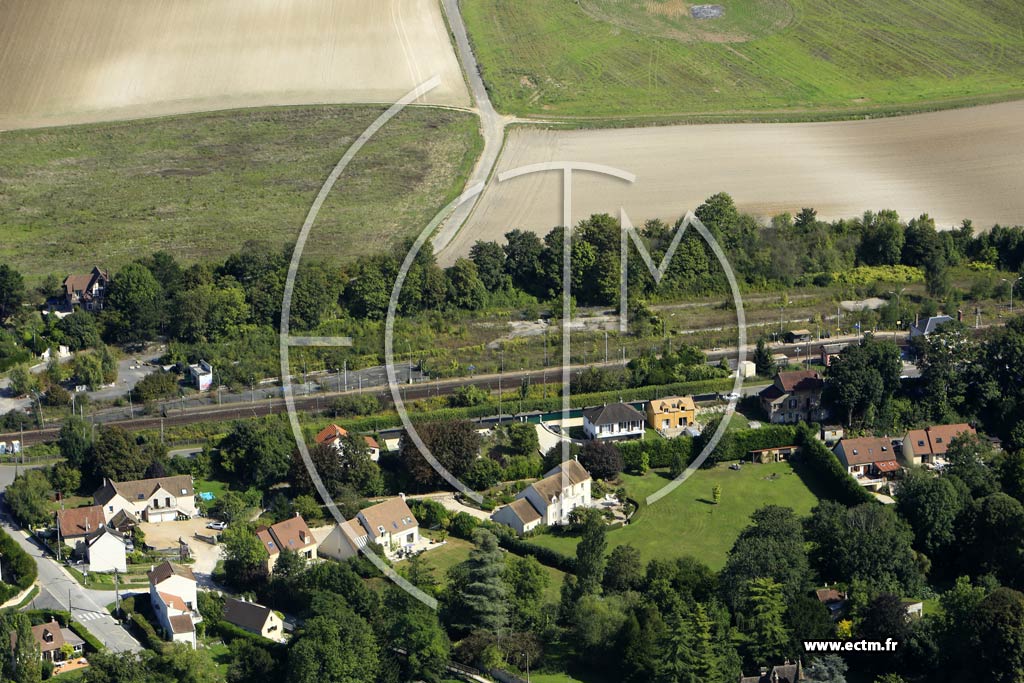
(166,535)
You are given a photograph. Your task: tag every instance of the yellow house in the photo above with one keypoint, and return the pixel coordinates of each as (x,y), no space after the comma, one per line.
(670,416)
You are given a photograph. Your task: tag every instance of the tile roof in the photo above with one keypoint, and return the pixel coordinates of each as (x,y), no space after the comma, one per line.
(182,623)
(887,466)
(100,533)
(865,450)
(166,570)
(248,615)
(290,534)
(80,521)
(330,433)
(551,485)
(772,393)
(672,404)
(827,595)
(935,439)
(799,380)
(393,514)
(142,489)
(49,636)
(371,442)
(524,511)
(173,601)
(613,413)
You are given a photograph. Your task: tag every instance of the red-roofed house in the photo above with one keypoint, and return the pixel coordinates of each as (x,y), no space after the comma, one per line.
(794,396)
(290,534)
(87,291)
(869,457)
(331,435)
(930,444)
(172,594)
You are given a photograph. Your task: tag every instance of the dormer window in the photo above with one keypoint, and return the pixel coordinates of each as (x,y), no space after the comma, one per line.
(938,439)
(380,530)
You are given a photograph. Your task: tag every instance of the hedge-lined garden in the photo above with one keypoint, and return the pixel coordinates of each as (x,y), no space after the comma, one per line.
(19,570)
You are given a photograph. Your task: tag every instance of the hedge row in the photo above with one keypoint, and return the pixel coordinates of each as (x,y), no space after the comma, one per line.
(660,452)
(463,525)
(17,564)
(230,632)
(82,632)
(827,467)
(736,444)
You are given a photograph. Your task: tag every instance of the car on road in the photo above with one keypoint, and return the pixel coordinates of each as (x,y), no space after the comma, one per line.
(732,396)
(217,526)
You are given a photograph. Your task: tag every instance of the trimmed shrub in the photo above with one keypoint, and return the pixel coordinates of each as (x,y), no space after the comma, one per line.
(17,566)
(840,486)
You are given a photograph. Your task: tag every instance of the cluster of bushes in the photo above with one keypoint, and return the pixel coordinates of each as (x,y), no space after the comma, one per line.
(816,455)
(141,626)
(19,570)
(736,444)
(638,456)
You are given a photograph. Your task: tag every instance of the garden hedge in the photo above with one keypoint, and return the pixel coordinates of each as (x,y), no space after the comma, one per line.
(824,463)
(16,564)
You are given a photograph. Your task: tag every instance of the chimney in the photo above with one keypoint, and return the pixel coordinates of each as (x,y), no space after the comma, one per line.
(402,496)
(960,315)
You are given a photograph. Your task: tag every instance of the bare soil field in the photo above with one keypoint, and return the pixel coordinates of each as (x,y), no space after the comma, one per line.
(97,60)
(955,164)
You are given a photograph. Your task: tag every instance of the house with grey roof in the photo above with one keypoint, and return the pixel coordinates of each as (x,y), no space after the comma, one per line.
(549,500)
(389,524)
(614,421)
(254,618)
(161,499)
(929,325)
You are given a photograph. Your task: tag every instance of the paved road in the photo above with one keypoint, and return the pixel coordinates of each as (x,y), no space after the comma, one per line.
(492,125)
(57,590)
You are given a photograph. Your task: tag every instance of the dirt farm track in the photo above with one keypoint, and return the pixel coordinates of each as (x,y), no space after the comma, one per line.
(81,61)
(956,164)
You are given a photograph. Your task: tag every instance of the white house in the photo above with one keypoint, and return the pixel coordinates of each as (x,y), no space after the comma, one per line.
(549,500)
(162,499)
(105,551)
(333,435)
(254,618)
(290,534)
(615,421)
(172,593)
(202,375)
(390,524)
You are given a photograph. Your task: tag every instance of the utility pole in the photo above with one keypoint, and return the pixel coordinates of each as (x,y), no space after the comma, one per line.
(606,348)
(346,374)
(117,594)
(131,408)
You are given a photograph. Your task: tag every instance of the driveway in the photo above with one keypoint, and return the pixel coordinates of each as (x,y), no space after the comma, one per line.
(166,535)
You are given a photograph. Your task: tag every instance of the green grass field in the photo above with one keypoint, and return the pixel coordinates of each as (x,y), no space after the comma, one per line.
(686,522)
(200,185)
(625,61)
(456,551)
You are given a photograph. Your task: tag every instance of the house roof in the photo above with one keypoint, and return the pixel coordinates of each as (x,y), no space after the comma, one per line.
(613,413)
(551,485)
(290,534)
(784,673)
(832,349)
(330,433)
(95,536)
(672,404)
(799,380)
(393,515)
(935,439)
(173,601)
(772,393)
(932,323)
(166,570)
(182,623)
(80,521)
(141,489)
(800,333)
(371,442)
(865,450)
(123,518)
(827,595)
(887,466)
(248,615)
(49,636)
(524,510)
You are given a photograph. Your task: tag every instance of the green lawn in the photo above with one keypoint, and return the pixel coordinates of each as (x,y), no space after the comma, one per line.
(200,185)
(457,550)
(686,523)
(629,60)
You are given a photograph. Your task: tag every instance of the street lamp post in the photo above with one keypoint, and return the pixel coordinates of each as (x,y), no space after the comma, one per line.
(1012,285)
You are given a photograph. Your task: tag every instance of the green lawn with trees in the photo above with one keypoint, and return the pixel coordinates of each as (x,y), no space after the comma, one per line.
(199,186)
(687,522)
(630,61)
